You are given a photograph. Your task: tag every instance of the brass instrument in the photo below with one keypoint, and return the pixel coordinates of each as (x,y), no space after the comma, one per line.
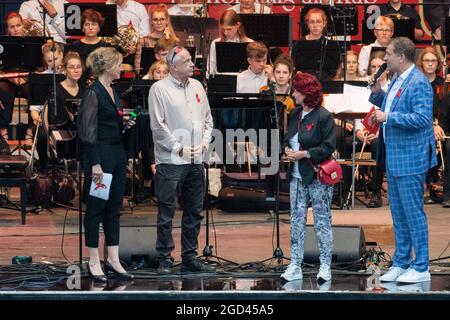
(36,29)
(126,39)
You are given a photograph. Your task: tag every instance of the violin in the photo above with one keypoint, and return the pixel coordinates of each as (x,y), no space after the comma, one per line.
(286,100)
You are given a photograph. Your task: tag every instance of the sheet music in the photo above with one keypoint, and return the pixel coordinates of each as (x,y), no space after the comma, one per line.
(354,99)
(358,98)
(336,103)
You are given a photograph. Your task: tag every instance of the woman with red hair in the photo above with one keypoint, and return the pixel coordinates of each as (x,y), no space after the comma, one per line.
(311,140)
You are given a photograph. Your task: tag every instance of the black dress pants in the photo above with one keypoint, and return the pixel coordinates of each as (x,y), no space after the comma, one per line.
(170,181)
(112,160)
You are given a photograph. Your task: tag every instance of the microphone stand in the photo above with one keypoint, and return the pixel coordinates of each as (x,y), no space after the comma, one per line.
(278,252)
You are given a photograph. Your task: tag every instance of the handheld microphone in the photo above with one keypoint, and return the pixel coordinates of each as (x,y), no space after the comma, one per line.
(378,74)
(137,111)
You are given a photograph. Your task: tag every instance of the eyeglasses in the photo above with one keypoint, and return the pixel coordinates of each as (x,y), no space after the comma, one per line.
(427,61)
(160,20)
(384,30)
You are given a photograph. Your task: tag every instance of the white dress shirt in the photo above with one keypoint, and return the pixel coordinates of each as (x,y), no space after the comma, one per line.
(249,82)
(179,116)
(364,57)
(32,9)
(135,13)
(398,81)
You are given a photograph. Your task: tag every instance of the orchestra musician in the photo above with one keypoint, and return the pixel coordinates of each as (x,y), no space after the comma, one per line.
(231,30)
(161,28)
(384,30)
(52,56)
(33,11)
(17,85)
(91,21)
(316,22)
(258,74)
(351,72)
(67,89)
(396,7)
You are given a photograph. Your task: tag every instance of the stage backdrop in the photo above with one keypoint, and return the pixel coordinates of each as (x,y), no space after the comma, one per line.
(366,9)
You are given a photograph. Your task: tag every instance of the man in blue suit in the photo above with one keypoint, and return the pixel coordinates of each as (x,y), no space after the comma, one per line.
(406,133)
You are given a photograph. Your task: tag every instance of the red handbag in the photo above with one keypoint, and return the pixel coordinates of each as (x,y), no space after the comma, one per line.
(329,172)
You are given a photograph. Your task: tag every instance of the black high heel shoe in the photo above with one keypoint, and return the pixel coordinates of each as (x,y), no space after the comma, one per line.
(120,275)
(101,278)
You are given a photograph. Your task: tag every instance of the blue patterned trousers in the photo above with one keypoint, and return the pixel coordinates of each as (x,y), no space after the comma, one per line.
(410,221)
(321,196)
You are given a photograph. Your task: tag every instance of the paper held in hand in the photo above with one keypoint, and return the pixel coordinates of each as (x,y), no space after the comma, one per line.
(370,125)
(101,190)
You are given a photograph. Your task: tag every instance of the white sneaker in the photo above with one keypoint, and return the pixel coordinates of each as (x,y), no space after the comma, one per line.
(324,272)
(293,272)
(413,276)
(392,274)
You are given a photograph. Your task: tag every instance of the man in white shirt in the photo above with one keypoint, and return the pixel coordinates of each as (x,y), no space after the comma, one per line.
(130,11)
(250,6)
(384,30)
(181,124)
(53,10)
(258,72)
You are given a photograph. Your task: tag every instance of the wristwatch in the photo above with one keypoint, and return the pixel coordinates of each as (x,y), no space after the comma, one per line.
(308,155)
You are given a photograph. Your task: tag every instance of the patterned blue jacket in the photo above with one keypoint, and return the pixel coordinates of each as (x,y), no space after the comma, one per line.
(409,140)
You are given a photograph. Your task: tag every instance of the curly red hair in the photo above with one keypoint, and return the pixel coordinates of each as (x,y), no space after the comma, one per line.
(309,86)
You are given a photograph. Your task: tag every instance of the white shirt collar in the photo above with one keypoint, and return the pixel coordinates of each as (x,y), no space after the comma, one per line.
(177,82)
(406,73)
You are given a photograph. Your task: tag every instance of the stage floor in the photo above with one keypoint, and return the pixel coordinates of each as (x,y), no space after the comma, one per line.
(254,286)
(240,237)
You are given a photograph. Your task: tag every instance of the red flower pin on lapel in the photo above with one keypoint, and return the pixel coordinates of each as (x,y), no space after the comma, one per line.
(399,93)
(310,126)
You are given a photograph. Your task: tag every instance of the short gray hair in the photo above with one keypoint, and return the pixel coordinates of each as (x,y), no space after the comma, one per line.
(172,55)
(403,45)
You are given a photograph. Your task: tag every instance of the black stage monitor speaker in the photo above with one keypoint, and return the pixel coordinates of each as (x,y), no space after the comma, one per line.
(349,245)
(137,244)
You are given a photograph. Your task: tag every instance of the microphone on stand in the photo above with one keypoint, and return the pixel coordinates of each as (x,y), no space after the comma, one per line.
(378,74)
(137,111)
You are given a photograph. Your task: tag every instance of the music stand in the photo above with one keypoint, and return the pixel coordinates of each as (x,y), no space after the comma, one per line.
(147,59)
(336,87)
(317,55)
(185,26)
(137,94)
(278,35)
(73,12)
(222,83)
(21,53)
(231,56)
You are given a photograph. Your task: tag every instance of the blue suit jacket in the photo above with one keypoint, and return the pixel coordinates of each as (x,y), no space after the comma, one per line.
(409,135)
